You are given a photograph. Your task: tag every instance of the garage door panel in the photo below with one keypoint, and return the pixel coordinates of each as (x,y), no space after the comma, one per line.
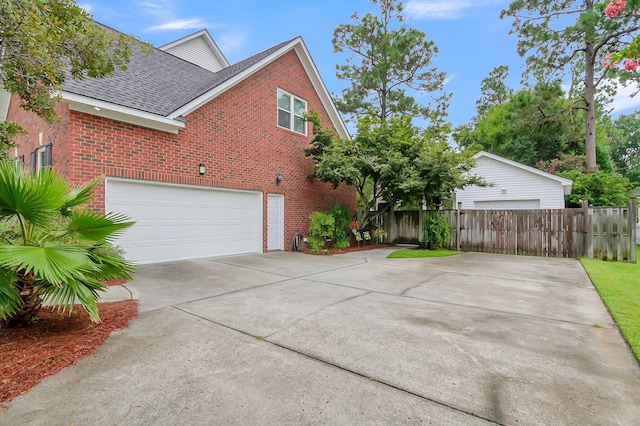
(176,222)
(506,204)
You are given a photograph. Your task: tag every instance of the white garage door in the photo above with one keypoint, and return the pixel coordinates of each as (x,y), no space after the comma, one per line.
(175,222)
(507,205)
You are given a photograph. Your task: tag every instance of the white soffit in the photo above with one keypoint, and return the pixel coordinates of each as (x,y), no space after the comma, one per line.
(120,113)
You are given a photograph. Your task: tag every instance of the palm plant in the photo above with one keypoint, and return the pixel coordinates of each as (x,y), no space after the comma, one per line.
(51,249)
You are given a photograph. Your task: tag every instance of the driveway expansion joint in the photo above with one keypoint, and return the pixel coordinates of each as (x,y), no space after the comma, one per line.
(345,369)
(510,278)
(317,311)
(247,267)
(239,290)
(441,302)
(404,293)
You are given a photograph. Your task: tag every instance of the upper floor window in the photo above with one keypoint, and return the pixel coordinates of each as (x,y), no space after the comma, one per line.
(291,110)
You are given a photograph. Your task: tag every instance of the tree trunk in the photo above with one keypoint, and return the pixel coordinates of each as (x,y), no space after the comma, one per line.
(589,98)
(31,302)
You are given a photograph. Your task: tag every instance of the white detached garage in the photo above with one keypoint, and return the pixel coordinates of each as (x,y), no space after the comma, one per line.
(514,186)
(175,222)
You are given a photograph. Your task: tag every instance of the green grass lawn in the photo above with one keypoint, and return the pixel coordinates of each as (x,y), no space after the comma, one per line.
(414,253)
(619,287)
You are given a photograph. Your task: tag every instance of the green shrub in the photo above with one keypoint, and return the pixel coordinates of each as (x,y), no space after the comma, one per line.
(321,228)
(599,188)
(436,231)
(341,217)
(315,243)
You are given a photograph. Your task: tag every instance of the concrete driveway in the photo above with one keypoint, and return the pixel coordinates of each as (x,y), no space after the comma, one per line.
(287,338)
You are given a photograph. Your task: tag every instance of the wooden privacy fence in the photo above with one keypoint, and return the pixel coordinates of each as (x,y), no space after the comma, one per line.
(612,233)
(554,233)
(607,233)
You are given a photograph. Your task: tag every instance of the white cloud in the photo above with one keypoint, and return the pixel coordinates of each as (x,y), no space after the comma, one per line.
(448,79)
(154,9)
(163,15)
(623,100)
(179,24)
(436,9)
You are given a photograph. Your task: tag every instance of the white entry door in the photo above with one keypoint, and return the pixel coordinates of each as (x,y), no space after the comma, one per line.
(275,222)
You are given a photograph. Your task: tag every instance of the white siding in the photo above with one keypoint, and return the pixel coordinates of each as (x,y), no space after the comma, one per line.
(5,97)
(198,52)
(506,204)
(512,183)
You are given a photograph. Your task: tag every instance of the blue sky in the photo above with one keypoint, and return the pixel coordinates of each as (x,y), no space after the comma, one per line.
(469,34)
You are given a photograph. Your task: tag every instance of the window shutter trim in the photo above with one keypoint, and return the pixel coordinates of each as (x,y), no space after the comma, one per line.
(48,152)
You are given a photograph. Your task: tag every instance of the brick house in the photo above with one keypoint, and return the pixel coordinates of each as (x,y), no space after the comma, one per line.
(205,156)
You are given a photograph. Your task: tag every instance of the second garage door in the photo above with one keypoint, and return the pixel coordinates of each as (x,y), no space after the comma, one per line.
(175,222)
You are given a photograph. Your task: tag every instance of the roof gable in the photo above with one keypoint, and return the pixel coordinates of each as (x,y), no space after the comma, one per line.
(566,183)
(198,48)
(167,87)
(232,75)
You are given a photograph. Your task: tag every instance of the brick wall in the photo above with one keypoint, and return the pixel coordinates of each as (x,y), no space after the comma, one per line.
(235,136)
(56,133)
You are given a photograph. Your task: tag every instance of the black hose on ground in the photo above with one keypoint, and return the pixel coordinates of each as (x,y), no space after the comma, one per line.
(298,241)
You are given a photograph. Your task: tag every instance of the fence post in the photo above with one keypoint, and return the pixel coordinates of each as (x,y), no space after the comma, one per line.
(391,222)
(587,229)
(633,217)
(421,237)
(459,227)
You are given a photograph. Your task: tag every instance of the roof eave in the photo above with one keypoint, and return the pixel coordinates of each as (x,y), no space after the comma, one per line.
(564,182)
(120,113)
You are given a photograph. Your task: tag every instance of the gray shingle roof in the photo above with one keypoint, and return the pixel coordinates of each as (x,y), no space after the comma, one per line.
(159,83)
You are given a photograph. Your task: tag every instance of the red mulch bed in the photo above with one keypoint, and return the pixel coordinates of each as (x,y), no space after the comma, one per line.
(332,251)
(115,281)
(56,340)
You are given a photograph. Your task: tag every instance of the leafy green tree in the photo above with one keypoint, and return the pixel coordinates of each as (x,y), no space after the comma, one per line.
(44,42)
(50,248)
(563,163)
(569,37)
(625,147)
(392,161)
(599,188)
(494,91)
(440,171)
(387,59)
(530,127)
(8,131)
